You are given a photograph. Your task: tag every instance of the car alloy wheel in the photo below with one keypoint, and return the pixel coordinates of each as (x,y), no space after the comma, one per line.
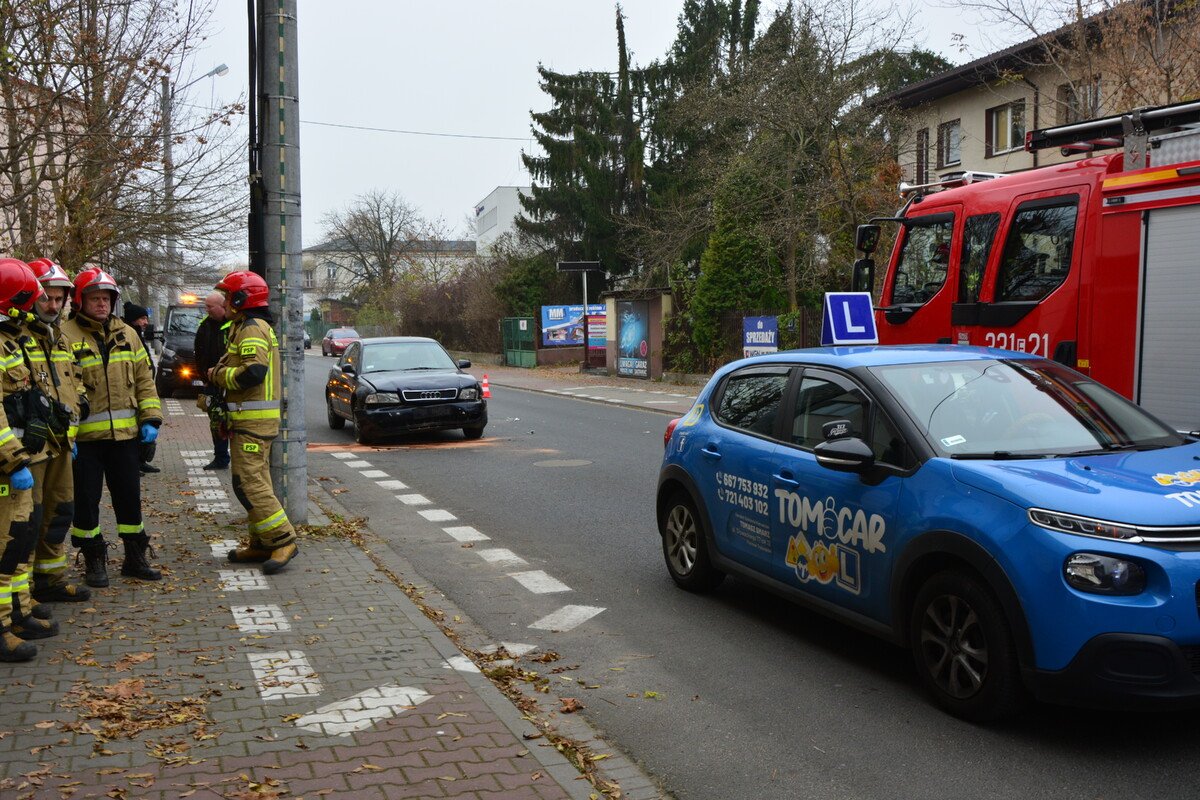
(963,648)
(335,422)
(684,546)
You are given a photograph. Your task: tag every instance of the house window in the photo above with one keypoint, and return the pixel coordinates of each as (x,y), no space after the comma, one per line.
(331,271)
(1079,102)
(1005,128)
(921,171)
(949,144)
(310,280)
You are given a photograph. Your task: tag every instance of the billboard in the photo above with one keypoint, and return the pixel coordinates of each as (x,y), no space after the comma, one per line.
(563,326)
(633,338)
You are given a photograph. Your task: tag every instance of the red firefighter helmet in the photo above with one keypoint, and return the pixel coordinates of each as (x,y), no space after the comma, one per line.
(50,274)
(245,289)
(19,287)
(92,279)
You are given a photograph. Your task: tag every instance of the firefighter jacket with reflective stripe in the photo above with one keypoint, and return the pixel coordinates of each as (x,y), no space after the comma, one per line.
(57,374)
(14,377)
(249,375)
(117,379)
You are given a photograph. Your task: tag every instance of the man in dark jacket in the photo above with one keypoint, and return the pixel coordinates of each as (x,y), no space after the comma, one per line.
(138,318)
(210,346)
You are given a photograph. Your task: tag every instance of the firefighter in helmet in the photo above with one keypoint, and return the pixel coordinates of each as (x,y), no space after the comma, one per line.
(124,412)
(248,373)
(57,376)
(21,430)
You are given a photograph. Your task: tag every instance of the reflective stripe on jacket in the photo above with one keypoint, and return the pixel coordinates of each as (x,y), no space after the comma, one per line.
(14,377)
(117,378)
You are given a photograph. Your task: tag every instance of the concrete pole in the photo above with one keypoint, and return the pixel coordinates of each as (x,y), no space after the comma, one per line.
(279,129)
(171,277)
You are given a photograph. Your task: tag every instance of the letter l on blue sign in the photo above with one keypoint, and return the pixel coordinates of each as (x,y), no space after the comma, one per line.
(849,318)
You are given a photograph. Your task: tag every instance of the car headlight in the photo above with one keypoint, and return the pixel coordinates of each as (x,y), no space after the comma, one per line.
(1083,526)
(470,393)
(379,398)
(1098,574)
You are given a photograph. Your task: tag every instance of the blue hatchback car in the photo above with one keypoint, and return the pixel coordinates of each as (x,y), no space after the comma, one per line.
(1017,525)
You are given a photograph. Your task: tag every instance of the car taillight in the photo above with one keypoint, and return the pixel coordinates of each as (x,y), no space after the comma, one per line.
(670,429)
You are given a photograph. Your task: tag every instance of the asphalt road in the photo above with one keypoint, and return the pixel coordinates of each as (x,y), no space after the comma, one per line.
(732,695)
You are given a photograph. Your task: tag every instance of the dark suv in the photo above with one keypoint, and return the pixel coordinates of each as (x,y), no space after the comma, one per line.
(177,365)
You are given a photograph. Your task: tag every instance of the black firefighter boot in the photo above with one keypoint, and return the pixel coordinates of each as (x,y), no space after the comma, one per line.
(13,648)
(95,562)
(136,565)
(28,624)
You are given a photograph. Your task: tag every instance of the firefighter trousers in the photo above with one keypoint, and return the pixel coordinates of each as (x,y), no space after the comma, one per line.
(53,510)
(116,464)
(16,546)
(251,465)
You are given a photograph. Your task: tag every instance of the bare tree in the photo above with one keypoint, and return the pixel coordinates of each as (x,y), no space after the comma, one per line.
(377,236)
(82,148)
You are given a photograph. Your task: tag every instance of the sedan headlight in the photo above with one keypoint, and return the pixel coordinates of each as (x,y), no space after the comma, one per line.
(470,393)
(1098,574)
(1083,526)
(379,398)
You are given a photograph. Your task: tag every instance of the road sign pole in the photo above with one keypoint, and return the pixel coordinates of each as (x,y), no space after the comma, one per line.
(585,293)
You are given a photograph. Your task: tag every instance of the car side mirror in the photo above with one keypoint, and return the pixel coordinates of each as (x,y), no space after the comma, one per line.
(464,363)
(349,369)
(844,455)
(866,238)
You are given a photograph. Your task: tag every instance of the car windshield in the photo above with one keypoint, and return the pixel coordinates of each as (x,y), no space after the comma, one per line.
(401,356)
(184,320)
(1019,408)
(343,333)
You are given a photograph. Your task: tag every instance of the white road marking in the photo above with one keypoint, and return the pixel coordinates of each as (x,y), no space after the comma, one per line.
(205,481)
(374,473)
(437,515)
(393,485)
(465,533)
(196,454)
(501,557)
(358,464)
(195,462)
(538,582)
(242,580)
(286,673)
(221,549)
(363,710)
(413,499)
(213,508)
(211,494)
(344,456)
(461,664)
(514,649)
(566,618)
(260,619)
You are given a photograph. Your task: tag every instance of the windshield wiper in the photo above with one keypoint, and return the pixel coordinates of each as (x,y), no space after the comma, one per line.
(410,369)
(1113,448)
(995,455)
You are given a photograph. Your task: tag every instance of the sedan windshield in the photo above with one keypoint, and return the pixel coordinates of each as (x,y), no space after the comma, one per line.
(1019,408)
(402,356)
(343,333)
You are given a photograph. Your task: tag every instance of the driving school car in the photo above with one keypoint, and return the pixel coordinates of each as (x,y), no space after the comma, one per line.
(1020,527)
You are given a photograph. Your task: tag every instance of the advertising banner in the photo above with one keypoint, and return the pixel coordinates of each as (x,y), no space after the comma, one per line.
(633,338)
(760,335)
(563,326)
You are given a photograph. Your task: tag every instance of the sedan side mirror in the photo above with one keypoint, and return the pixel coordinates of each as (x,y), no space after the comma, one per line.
(464,363)
(844,455)
(349,369)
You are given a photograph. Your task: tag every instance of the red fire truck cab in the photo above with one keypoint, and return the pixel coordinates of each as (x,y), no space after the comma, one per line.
(1089,263)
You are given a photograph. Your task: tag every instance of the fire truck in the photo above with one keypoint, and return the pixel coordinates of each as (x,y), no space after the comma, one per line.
(1094,263)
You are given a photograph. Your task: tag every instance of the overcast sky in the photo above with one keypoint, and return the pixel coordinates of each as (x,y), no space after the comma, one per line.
(461,68)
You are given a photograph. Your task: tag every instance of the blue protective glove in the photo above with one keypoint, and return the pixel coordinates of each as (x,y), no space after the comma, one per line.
(22,479)
(74,451)
(149,434)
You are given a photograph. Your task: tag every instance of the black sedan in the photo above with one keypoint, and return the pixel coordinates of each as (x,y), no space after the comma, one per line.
(403,384)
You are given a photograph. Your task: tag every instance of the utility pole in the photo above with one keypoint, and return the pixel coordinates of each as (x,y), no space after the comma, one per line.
(168,185)
(275,195)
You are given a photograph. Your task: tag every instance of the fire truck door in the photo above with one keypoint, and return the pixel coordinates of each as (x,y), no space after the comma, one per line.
(1168,369)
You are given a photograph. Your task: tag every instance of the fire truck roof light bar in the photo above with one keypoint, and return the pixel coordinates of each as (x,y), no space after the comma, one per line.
(1110,131)
(948,182)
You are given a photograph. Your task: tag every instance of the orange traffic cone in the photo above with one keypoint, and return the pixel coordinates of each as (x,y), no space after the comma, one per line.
(486,391)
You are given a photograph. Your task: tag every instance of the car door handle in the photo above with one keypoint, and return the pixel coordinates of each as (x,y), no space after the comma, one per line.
(785,478)
(714,454)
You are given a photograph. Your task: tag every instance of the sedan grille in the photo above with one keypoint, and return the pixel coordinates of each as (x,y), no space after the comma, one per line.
(429,395)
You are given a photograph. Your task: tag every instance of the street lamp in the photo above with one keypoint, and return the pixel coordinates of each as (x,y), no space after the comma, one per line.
(168,165)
